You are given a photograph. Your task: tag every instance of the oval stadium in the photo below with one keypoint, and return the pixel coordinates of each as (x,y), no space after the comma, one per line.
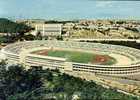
(94,58)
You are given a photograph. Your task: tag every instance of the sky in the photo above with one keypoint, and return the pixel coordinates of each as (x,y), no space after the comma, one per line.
(69,9)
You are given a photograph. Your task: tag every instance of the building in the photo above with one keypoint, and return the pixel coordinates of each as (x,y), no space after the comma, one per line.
(21,53)
(49,29)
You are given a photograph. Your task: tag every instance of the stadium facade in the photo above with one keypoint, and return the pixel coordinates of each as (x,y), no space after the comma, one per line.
(20,53)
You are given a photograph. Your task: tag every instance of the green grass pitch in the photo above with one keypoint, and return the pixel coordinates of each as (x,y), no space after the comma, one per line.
(80,57)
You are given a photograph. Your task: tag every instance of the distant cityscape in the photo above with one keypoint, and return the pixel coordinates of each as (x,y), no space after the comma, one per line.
(90,29)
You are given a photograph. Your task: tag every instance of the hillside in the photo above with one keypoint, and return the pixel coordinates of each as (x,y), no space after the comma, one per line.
(7,26)
(37,84)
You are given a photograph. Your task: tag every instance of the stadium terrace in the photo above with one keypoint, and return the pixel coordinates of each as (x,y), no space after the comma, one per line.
(126,59)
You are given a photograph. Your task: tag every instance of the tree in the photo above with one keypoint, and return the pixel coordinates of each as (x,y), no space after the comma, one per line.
(29,37)
(8,26)
(39,36)
(59,38)
(15,31)
(16,82)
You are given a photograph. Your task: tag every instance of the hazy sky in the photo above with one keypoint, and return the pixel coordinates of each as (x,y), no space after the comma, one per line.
(69,9)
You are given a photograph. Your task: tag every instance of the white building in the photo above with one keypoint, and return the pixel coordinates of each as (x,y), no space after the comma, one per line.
(49,29)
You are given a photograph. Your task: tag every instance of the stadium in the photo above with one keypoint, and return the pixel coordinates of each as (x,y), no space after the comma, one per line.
(71,56)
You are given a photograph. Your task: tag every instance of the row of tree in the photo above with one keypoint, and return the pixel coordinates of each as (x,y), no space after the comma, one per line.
(133,44)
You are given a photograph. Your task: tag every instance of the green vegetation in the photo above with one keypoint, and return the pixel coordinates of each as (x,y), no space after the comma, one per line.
(132,29)
(120,22)
(16,83)
(132,44)
(7,26)
(60,22)
(13,31)
(3,39)
(79,57)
